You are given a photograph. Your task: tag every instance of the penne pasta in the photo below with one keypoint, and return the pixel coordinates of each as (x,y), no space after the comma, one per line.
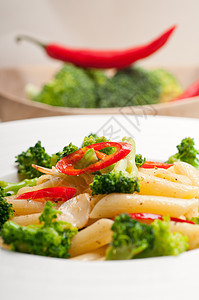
(98,254)
(188,170)
(114,204)
(151,185)
(26,207)
(26,220)
(91,238)
(166,174)
(190,230)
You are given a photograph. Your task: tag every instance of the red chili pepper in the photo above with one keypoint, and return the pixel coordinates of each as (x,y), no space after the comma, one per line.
(103,59)
(152,217)
(190,92)
(67,164)
(53,193)
(152,165)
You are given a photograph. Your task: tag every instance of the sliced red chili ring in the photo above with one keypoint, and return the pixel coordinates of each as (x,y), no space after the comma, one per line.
(67,164)
(153,164)
(53,193)
(152,217)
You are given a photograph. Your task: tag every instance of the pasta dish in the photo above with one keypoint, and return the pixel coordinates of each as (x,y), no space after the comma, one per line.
(102,201)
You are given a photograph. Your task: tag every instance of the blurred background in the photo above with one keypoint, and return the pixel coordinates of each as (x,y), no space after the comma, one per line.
(99,24)
(104,24)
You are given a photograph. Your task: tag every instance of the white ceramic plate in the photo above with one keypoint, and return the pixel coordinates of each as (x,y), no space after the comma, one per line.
(30,277)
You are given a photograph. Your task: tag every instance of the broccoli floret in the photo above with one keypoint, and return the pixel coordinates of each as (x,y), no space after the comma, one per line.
(131,86)
(165,242)
(169,85)
(71,87)
(6,210)
(186,152)
(195,220)
(66,151)
(100,79)
(114,183)
(34,155)
(139,161)
(121,179)
(98,76)
(133,239)
(94,139)
(130,237)
(14,187)
(50,238)
(37,155)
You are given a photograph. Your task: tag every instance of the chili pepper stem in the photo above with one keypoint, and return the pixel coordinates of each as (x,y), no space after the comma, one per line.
(30,39)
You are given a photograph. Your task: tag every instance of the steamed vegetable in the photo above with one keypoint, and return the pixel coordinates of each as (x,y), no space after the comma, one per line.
(133,239)
(6,210)
(186,152)
(77,87)
(122,178)
(50,238)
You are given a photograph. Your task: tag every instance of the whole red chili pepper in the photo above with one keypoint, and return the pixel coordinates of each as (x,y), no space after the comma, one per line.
(102,59)
(191,91)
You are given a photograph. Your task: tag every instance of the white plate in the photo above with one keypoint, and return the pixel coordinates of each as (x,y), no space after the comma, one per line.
(30,277)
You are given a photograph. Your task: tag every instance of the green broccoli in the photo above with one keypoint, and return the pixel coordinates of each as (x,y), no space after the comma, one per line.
(71,87)
(37,155)
(133,239)
(10,187)
(33,155)
(66,151)
(170,87)
(49,238)
(131,86)
(98,76)
(195,220)
(186,152)
(6,210)
(114,183)
(94,139)
(139,161)
(121,179)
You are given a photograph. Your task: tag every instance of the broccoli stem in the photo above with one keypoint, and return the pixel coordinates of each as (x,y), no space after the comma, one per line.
(14,187)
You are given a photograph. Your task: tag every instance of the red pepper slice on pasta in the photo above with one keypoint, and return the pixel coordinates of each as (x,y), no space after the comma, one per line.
(53,194)
(151,217)
(67,164)
(153,164)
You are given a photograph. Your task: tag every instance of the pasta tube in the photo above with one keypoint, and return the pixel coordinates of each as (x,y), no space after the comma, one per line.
(98,254)
(151,185)
(166,174)
(190,230)
(188,170)
(27,219)
(92,237)
(26,207)
(114,204)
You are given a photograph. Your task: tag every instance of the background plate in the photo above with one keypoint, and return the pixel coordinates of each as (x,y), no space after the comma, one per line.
(14,104)
(34,277)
